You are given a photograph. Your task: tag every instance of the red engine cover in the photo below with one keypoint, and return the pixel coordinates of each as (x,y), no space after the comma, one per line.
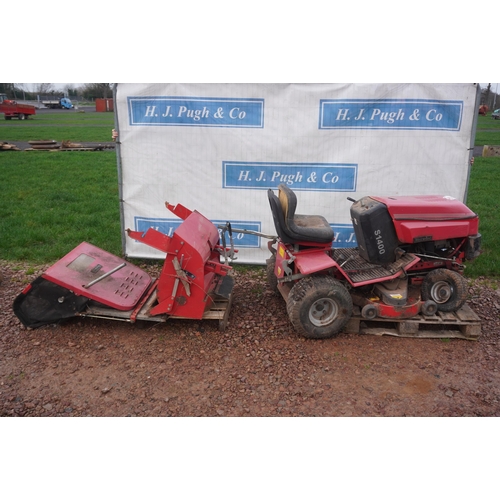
(430,217)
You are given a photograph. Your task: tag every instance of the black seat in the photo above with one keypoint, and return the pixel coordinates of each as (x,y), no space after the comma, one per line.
(279,219)
(296,228)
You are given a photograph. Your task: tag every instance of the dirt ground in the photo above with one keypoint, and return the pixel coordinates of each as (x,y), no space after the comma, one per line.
(258,367)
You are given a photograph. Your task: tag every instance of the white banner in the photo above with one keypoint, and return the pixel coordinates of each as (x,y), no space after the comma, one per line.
(218,148)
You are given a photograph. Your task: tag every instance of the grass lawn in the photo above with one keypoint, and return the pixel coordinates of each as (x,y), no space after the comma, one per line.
(488,131)
(484,199)
(50,202)
(71,125)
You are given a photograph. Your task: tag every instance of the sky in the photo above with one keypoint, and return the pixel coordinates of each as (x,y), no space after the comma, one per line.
(60,86)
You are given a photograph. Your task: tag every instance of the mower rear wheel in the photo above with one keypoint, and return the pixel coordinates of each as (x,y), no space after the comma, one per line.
(272,280)
(319,307)
(446,288)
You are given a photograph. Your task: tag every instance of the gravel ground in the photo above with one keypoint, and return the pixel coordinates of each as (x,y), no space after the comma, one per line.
(258,367)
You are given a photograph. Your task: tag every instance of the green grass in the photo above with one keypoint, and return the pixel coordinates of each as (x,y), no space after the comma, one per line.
(51,202)
(488,131)
(71,125)
(484,199)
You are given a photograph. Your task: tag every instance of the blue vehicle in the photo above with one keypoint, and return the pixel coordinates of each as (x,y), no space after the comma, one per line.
(62,103)
(66,103)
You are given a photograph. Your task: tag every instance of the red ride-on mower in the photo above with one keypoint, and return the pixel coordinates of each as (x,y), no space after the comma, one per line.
(409,260)
(89,282)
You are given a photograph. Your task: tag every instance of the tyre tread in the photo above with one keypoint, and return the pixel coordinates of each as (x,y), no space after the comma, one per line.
(307,287)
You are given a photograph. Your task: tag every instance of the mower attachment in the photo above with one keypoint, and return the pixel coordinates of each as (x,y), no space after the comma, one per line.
(88,281)
(86,273)
(192,271)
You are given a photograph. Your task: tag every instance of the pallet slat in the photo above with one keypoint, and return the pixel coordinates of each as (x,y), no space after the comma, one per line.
(463,324)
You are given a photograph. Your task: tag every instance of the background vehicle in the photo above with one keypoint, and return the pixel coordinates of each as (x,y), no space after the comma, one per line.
(62,103)
(11,109)
(496,114)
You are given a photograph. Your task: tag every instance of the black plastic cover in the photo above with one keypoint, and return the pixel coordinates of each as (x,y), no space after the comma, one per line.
(45,303)
(473,247)
(374,229)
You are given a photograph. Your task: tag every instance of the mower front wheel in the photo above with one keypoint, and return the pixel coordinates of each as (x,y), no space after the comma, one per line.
(319,307)
(446,288)
(272,280)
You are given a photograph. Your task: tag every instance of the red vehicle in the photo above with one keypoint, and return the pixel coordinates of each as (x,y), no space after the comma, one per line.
(409,260)
(12,109)
(91,282)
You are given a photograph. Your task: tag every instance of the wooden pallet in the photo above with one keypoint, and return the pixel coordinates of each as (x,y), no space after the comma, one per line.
(64,149)
(462,324)
(219,311)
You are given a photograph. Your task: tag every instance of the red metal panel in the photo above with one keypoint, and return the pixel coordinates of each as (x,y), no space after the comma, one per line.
(425,207)
(408,232)
(189,273)
(313,262)
(100,105)
(13,109)
(411,309)
(86,263)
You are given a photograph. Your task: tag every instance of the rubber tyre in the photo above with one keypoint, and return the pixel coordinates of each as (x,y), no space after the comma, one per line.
(369,312)
(446,288)
(429,308)
(21,116)
(319,307)
(272,280)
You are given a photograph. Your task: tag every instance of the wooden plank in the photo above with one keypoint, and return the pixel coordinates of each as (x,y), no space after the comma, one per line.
(471,330)
(407,327)
(430,319)
(352,325)
(466,314)
(421,334)
(448,316)
(463,324)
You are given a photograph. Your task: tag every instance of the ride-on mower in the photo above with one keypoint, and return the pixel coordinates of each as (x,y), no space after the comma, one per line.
(409,260)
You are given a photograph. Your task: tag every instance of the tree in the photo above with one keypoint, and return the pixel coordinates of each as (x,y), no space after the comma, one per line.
(16,90)
(44,88)
(96,90)
(8,88)
(70,90)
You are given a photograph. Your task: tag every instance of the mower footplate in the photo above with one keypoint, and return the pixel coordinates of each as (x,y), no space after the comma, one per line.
(358,271)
